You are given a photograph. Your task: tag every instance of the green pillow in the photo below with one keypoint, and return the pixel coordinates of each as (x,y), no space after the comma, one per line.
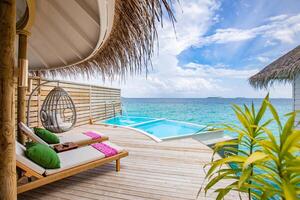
(46,135)
(42,155)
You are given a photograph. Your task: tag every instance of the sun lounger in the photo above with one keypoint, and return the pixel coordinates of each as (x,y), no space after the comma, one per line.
(72,162)
(78,138)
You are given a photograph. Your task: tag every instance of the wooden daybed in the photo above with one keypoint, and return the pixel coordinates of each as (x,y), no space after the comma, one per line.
(78,138)
(39,176)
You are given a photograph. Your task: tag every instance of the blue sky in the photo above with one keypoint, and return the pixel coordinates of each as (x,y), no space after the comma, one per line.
(218,45)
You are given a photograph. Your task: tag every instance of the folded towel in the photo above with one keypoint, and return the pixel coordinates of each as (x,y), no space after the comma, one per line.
(105,149)
(94,135)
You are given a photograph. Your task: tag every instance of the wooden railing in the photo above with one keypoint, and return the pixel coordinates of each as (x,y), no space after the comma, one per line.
(91,101)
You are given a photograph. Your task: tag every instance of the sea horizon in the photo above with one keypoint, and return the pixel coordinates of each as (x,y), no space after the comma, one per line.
(284,98)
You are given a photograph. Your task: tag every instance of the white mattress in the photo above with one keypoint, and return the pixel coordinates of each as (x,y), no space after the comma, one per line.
(63,138)
(75,158)
(116,147)
(73,137)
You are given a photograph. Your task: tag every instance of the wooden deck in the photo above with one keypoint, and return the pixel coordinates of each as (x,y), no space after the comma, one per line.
(168,170)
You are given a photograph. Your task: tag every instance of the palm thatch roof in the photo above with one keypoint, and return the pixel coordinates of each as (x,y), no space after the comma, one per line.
(283,69)
(129,46)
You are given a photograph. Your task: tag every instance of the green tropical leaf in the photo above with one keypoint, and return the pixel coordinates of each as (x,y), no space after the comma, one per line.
(272,138)
(262,110)
(290,142)
(265,166)
(268,144)
(289,191)
(287,129)
(222,193)
(243,121)
(216,179)
(248,114)
(244,177)
(275,115)
(253,108)
(254,157)
(296,179)
(224,161)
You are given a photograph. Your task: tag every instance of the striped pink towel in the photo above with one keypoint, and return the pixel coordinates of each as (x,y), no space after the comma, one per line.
(92,134)
(105,149)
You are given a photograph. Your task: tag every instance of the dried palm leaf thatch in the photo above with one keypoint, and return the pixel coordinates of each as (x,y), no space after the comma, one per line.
(130,45)
(283,69)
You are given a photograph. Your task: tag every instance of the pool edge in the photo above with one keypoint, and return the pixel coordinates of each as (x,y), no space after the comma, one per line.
(156,139)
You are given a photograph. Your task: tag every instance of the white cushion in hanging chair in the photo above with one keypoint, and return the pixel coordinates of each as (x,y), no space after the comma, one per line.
(59,122)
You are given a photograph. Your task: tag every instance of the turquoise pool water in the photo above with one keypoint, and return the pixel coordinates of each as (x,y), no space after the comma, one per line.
(204,111)
(166,129)
(127,121)
(160,128)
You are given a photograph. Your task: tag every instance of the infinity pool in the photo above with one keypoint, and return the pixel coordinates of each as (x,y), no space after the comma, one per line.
(127,121)
(160,128)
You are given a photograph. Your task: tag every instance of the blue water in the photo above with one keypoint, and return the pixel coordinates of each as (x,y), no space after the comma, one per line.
(205,111)
(127,121)
(165,128)
(160,128)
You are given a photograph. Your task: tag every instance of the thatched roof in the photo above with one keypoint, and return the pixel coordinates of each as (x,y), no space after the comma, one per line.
(283,69)
(129,46)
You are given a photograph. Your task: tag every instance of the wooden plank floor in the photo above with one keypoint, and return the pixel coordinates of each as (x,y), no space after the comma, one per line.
(169,170)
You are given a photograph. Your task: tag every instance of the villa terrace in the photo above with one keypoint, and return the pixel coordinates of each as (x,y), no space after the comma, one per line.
(171,169)
(105,38)
(167,170)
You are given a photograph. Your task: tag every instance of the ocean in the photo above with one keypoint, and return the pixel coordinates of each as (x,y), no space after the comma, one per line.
(203,111)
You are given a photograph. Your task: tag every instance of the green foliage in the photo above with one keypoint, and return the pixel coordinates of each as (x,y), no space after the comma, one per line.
(264,167)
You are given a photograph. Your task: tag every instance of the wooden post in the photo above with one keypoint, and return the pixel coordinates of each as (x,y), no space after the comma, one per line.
(8,184)
(39,81)
(22,82)
(90,101)
(118,165)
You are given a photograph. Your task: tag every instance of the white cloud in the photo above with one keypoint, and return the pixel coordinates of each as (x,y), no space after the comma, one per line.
(169,79)
(193,19)
(206,71)
(282,28)
(229,35)
(263,59)
(278,17)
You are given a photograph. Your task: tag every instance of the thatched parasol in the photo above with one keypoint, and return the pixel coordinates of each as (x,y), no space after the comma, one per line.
(283,69)
(128,46)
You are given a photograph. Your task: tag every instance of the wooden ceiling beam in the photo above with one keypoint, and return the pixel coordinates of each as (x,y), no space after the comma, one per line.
(69,20)
(38,55)
(49,44)
(59,32)
(87,10)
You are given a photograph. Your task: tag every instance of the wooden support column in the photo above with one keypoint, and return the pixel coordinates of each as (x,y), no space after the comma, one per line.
(22,81)
(90,102)
(8,185)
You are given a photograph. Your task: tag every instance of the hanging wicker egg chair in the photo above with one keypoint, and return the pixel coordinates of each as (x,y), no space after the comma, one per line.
(58,112)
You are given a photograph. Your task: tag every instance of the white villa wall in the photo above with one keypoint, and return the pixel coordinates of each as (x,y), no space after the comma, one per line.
(296,96)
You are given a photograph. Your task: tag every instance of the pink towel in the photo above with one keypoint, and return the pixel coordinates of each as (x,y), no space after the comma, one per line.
(105,149)
(92,134)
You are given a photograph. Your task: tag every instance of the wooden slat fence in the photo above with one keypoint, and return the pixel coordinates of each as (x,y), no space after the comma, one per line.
(91,101)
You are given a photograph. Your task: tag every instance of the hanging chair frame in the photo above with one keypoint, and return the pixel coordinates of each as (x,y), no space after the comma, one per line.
(29,101)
